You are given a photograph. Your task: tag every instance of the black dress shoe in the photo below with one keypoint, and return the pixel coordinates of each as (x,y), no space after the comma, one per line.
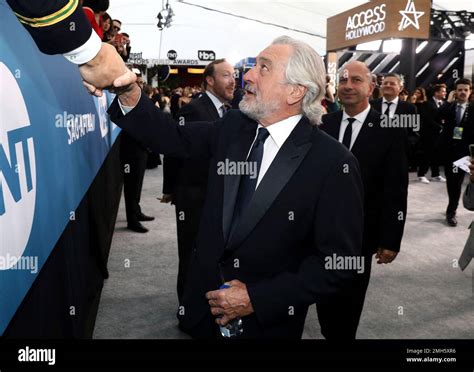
(137,227)
(452,221)
(144,217)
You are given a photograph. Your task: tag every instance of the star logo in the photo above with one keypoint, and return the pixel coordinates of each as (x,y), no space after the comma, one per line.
(410,16)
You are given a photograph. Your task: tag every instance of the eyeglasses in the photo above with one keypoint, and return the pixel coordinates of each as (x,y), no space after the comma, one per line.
(116,28)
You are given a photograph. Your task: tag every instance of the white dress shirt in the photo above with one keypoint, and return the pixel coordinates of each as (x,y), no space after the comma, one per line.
(279,132)
(438,102)
(393,107)
(356,125)
(86,51)
(217,103)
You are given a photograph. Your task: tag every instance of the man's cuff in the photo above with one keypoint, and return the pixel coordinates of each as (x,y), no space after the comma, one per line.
(127,109)
(85,52)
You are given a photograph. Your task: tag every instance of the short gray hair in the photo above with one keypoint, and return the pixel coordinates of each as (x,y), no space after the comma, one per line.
(399,77)
(305,67)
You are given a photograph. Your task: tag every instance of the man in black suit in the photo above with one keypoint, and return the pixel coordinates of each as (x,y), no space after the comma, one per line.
(381,153)
(284,199)
(458,133)
(174,106)
(392,106)
(429,135)
(133,158)
(186,179)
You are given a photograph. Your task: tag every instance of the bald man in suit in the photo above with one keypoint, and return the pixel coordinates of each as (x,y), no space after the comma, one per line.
(381,154)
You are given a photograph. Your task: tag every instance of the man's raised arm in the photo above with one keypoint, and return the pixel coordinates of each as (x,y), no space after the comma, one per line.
(135,113)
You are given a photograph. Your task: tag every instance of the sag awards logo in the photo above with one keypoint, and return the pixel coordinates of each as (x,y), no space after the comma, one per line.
(17,172)
(410,16)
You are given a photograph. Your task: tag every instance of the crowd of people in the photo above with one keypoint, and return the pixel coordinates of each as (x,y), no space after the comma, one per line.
(108,29)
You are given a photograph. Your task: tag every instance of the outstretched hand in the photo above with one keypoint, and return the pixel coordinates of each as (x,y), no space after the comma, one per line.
(106,71)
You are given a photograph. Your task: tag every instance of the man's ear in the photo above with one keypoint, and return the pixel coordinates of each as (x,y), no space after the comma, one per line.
(210,81)
(296,94)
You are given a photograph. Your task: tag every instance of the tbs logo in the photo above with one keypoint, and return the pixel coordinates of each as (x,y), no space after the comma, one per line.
(17,170)
(206,55)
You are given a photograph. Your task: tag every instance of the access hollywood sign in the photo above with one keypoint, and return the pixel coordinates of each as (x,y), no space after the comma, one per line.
(379,20)
(366,22)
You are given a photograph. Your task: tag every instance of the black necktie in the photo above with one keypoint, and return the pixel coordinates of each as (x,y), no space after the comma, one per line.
(346,140)
(459,114)
(248,182)
(387,111)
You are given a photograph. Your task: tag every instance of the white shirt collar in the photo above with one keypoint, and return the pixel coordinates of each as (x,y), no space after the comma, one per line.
(462,104)
(216,101)
(395,101)
(281,130)
(361,116)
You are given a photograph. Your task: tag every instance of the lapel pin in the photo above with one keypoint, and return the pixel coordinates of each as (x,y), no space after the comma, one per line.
(370,125)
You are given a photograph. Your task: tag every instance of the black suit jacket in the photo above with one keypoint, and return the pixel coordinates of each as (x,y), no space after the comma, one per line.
(305,209)
(450,148)
(402,107)
(430,126)
(382,158)
(190,172)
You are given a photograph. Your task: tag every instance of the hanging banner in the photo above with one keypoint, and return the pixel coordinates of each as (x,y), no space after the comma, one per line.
(54,138)
(378,20)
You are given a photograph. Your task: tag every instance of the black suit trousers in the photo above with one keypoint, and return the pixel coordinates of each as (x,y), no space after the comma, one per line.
(454,180)
(428,156)
(340,315)
(134,159)
(189,202)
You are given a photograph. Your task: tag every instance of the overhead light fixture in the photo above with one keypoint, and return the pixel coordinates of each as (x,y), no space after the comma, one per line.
(394,67)
(195,70)
(420,47)
(444,46)
(423,69)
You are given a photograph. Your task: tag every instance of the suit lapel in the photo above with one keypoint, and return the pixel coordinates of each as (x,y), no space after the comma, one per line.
(400,106)
(333,125)
(237,151)
(377,104)
(363,138)
(286,162)
(210,108)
